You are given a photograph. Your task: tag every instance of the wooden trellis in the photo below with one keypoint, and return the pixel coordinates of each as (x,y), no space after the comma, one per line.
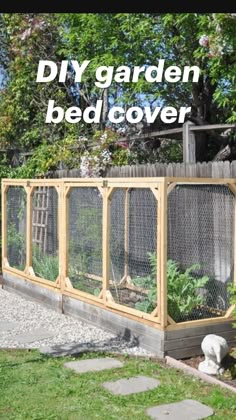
(40,217)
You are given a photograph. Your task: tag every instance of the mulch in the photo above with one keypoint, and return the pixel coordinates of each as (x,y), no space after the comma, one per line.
(228,363)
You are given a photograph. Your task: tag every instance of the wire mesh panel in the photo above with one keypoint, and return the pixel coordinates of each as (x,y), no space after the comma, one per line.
(45,259)
(200,251)
(16,227)
(85,239)
(133,245)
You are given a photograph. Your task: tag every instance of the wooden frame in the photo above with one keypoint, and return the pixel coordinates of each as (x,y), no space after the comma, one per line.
(160,187)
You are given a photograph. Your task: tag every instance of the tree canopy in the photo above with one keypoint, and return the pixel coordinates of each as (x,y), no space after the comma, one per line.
(205,40)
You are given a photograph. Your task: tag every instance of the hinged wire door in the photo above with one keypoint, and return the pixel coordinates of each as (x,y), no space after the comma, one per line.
(85,239)
(200,251)
(133,249)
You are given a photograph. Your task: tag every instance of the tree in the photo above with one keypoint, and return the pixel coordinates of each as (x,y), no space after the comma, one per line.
(23,102)
(206,40)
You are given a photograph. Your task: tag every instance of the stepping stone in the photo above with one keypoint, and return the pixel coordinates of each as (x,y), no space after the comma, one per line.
(133,385)
(189,409)
(31,336)
(7,325)
(92,365)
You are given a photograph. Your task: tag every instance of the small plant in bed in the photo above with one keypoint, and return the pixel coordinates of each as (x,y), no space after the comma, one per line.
(183,289)
(45,266)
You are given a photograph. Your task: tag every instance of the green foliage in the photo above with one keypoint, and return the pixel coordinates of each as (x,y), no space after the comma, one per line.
(85,245)
(16,245)
(183,289)
(109,39)
(232,292)
(45,266)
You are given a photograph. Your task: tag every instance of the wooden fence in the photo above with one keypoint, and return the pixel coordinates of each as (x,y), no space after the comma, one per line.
(196,170)
(99,224)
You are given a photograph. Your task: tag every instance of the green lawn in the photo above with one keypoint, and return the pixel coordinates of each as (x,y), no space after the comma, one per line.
(33,386)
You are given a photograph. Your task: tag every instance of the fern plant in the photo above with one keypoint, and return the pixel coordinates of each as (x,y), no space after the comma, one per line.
(183,289)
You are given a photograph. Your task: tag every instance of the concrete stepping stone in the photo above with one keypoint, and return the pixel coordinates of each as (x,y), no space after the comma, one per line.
(34,335)
(189,409)
(94,365)
(7,325)
(133,385)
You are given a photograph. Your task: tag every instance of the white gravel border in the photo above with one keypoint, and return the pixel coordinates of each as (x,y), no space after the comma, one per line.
(30,316)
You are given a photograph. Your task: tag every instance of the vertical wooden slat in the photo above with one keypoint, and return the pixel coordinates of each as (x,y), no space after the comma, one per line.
(162,250)
(126,244)
(105,241)
(29,220)
(234,236)
(63,234)
(4,223)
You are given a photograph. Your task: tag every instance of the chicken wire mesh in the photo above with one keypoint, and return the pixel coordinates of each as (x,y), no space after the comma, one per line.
(200,251)
(16,227)
(45,259)
(133,245)
(85,239)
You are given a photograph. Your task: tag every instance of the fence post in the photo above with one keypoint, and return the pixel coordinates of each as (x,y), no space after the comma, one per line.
(63,220)
(4,224)
(126,245)
(162,257)
(29,221)
(189,143)
(105,240)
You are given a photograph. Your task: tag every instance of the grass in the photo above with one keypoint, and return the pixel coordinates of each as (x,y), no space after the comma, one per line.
(37,387)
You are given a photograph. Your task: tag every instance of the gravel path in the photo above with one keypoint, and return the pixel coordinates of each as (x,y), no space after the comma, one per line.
(29,316)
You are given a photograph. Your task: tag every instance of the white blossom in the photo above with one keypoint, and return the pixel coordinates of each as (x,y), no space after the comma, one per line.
(204,41)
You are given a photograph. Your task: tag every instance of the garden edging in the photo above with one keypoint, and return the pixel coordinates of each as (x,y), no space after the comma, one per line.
(191,371)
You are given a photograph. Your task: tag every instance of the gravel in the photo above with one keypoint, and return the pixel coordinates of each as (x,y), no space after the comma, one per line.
(31,316)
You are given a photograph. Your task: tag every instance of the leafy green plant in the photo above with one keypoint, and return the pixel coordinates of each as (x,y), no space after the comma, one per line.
(183,289)
(232,292)
(85,242)
(16,247)
(45,266)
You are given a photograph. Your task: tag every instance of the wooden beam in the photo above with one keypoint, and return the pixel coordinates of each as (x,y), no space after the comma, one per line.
(155,312)
(105,242)
(196,323)
(171,187)
(29,213)
(4,223)
(169,132)
(170,320)
(212,127)
(63,216)
(155,192)
(189,144)
(229,311)
(234,279)
(126,227)
(162,292)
